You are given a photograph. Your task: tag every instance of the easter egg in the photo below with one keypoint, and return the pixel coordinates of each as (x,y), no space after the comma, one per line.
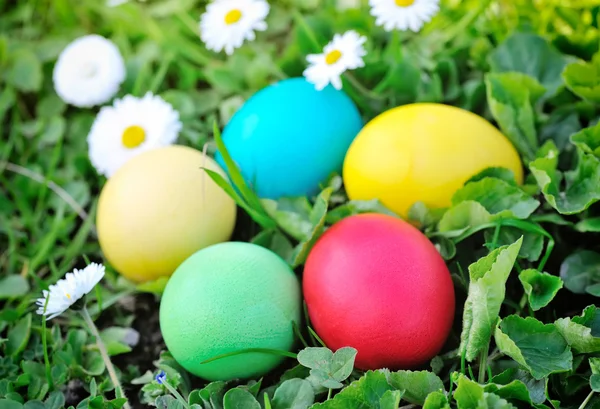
(227,298)
(158,209)
(376,283)
(288,138)
(423,152)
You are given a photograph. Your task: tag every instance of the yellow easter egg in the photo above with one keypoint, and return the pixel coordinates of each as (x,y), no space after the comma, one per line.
(160,208)
(423,152)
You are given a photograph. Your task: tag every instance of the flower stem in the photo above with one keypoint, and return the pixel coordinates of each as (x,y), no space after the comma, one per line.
(587,400)
(483,364)
(361,88)
(45,344)
(109,366)
(176,394)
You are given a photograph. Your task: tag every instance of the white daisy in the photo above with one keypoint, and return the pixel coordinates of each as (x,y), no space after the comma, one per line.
(403,14)
(69,290)
(343,53)
(131,126)
(227,23)
(89,71)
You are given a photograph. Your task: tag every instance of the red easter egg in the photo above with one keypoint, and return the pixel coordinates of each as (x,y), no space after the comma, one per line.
(376,283)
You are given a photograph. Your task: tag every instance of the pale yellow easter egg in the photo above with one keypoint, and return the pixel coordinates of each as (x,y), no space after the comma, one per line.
(160,208)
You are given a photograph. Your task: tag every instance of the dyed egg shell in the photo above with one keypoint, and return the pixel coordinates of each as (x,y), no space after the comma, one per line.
(376,283)
(226,298)
(288,137)
(158,209)
(423,152)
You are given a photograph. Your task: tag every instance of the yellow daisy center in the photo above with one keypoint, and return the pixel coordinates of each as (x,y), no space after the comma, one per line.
(133,136)
(233,16)
(404,3)
(332,57)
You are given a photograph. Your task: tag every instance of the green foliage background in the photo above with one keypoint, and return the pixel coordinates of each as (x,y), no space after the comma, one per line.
(525,260)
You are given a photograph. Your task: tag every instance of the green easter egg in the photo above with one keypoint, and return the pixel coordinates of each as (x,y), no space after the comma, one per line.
(226,298)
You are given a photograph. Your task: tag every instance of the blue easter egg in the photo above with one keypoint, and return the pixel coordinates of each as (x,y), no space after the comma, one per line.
(288,137)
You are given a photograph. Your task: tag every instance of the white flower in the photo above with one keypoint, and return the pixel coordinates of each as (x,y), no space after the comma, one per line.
(69,290)
(131,126)
(89,71)
(343,53)
(227,23)
(403,14)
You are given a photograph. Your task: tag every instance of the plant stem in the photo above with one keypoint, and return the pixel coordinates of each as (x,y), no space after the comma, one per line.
(45,344)
(496,235)
(176,394)
(361,88)
(587,400)
(483,364)
(329,394)
(109,366)
(59,191)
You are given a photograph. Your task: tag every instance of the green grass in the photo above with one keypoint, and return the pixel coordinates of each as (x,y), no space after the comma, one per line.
(49,190)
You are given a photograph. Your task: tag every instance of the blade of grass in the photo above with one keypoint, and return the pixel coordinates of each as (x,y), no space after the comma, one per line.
(251,350)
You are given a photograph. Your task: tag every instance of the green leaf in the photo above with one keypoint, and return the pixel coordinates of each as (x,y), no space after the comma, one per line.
(538,347)
(292,215)
(13,286)
(353,207)
(504,174)
(533,243)
(119,340)
(582,184)
(7,100)
(589,225)
(54,130)
(275,241)
(531,55)
(25,72)
(464,215)
(55,400)
(329,368)
(247,198)
(582,333)
(262,219)
(471,395)
(562,123)
(10,404)
(34,404)
(581,271)
(498,197)
(365,393)
(468,394)
(416,385)
(588,140)
(50,106)
(237,398)
(595,382)
(595,378)
(317,218)
(18,336)
(583,78)
(154,287)
(510,97)
(485,296)
(493,401)
(540,288)
(509,385)
(436,400)
(390,400)
(293,394)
